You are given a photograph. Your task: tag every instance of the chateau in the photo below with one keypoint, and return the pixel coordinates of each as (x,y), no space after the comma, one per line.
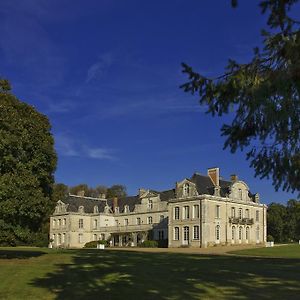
(200,211)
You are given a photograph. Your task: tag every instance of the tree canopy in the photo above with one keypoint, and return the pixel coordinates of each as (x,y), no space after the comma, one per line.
(27,164)
(263,96)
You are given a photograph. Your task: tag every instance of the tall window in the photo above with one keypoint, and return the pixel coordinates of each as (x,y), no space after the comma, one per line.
(247,233)
(176,233)
(257,234)
(54,223)
(59,239)
(247,215)
(233,212)
(196,232)
(96,210)
(218,232)
(80,223)
(217,211)
(161,218)
(95,237)
(95,225)
(125,222)
(63,238)
(160,234)
(126,209)
(196,211)
(149,220)
(176,213)
(64,222)
(138,221)
(240,194)
(117,222)
(59,222)
(257,216)
(240,213)
(240,233)
(186,233)
(233,233)
(186,189)
(80,238)
(150,204)
(186,212)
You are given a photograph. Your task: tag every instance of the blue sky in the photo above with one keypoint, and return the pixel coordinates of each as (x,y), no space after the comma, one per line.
(107,74)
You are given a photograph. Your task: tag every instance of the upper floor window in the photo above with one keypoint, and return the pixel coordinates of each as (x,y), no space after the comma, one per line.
(150,204)
(138,221)
(53,223)
(176,213)
(186,189)
(186,212)
(59,222)
(240,194)
(117,222)
(149,220)
(233,212)
(95,225)
(196,211)
(125,222)
(247,215)
(217,211)
(80,223)
(240,213)
(64,222)
(257,216)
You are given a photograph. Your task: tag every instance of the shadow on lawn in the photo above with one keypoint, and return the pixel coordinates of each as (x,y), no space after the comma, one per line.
(20,254)
(129,275)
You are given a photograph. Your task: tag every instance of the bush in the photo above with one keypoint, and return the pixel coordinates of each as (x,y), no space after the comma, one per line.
(270,238)
(149,244)
(92,244)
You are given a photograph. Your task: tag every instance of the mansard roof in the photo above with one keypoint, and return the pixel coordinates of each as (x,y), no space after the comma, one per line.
(74,202)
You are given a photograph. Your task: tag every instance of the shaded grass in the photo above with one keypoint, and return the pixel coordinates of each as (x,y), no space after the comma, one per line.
(286,251)
(96,274)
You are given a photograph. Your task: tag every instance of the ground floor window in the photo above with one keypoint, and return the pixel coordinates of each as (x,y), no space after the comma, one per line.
(176,233)
(218,232)
(247,233)
(59,239)
(186,233)
(240,233)
(95,237)
(196,232)
(80,238)
(63,238)
(161,235)
(233,233)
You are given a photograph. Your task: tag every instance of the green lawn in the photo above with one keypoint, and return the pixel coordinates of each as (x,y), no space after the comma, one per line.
(35,273)
(287,251)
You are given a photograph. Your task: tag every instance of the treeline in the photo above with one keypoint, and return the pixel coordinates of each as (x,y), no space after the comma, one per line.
(283,221)
(61,191)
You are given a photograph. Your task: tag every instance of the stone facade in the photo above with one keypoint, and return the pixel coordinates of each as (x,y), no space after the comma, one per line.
(200,211)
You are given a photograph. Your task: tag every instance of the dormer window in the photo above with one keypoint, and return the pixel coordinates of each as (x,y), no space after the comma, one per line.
(126,209)
(240,194)
(81,209)
(186,189)
(96,209)
(150,204)
(116,210)
(106,209)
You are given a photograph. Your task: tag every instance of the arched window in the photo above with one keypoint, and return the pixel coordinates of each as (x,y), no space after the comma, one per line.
(186,234)
(233,233)
(176,233)
(81,209)
(149,220)
(240,213)
(217,232)
(186,189)
(247,233)
(240,233)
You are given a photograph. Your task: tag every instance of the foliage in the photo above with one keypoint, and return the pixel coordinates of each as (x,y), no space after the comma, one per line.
(270,238)
(27,164)
(149,244)
(60,192)
(74,190)
(283,222)
(92,244)
(263,96)
(116,190)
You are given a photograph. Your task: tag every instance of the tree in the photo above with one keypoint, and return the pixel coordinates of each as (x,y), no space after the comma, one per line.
(292,222)
(60,192)
(80,187)
(276,221)
(264,97)
(116,190)
(27,164)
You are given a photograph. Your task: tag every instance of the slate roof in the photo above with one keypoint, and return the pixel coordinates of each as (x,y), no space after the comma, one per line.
(74,202)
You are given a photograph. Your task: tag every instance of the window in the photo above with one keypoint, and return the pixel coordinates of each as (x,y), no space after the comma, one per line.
(218,232)
(149,220)
(116,210)
(95,237)
(64,222)
(81,209)
(138,221)
(160,234)
(150,204)
(63,238)
(54,238)
(196,212)
(233,212)
(247,215)
(257,216)
(186,212)
(80,238)
(240,233)
(176,233)
(186,189)
(240,213)
(176,213)
(240,194)
(233,233)
(80,223)
(126,209)
(196,233)
(59,239)
(161,218)
(59,222)
(186,233)
(247,233)
(218,211)
(95,225)
(96,209)
(54,223)
(125,222)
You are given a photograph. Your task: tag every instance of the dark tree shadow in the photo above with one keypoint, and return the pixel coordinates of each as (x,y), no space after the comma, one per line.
(20,254)
(132,275)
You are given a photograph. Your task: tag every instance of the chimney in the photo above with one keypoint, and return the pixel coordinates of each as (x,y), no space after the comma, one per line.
(213,174)
(80,193)
(115,203)
(233,178)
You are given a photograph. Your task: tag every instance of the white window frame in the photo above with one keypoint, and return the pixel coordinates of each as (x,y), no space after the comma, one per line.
(176,233)
(196,232)
(176,213)
(196,211)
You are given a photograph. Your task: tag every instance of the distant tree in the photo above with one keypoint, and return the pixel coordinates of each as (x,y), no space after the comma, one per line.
(276,221)
(292,221)
(116,190)
(264,97)
(98,191)
(60,192)
(80,187)
(27,164)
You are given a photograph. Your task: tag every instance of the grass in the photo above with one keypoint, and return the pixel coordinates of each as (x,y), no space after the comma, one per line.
(286,251)
(33,273)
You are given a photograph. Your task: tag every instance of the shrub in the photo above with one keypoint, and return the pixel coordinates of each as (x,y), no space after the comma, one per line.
(270,238)
(92,244)
(149,244)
